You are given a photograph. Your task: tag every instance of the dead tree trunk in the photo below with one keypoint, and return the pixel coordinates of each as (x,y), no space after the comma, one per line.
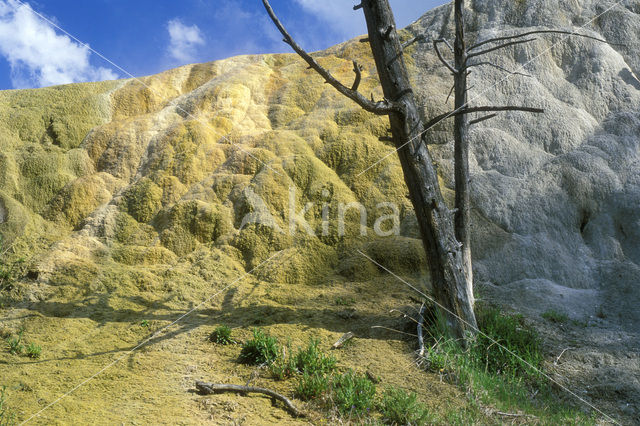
(407,127)
(443,250)
(460,70)
(461,149)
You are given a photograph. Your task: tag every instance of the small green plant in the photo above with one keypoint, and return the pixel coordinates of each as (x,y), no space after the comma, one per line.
(34,351)
(7,417)
(15,344)
(555,316)
(345,301)
(284,366)
(311,386)
(221,335)
(437,359)
(144,323)
(262,349)
(311,359)
(353,394)
(401,408)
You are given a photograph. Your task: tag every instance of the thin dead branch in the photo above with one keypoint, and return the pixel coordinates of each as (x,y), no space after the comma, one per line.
(413,40)
(442,59)
(498,39)
(501,413)
(481,119)
(357,69)
(560,356)
(500,46)
(384,107)
(470,110)
(212,388)
(478,64)
(342,340)
(394,330)
(450,93)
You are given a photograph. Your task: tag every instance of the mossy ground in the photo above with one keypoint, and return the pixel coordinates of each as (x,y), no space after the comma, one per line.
(81,335)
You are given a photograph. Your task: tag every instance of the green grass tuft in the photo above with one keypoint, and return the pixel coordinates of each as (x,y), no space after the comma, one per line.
(311,359)
(399,407)
(284,366)
(33,351)
(353,393)
(555,316)
(345,301)
(311,386)
(501,368)
(515,338)
(221,335)
(262,349)
(15,345)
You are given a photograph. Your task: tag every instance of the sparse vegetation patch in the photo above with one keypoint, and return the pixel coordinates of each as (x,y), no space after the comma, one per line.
(221,335)
(261,349)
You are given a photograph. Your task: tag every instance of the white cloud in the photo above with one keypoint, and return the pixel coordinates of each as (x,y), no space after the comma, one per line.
(184,40)
(38,56)
(339,15)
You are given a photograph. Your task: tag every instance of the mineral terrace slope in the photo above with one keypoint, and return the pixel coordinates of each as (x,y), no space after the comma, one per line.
(556,197)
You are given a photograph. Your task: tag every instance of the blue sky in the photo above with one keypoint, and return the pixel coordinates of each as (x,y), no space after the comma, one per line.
(145,37)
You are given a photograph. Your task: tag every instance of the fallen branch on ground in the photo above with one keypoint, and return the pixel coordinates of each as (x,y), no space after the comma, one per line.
(342,340)
(560,356)
(501,413)
(210,388)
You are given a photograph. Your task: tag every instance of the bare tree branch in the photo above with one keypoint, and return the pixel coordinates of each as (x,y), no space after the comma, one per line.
(209,388)
(444,61)
(445,41)
(477,64)
(497,39)
(413,40)
(357,68)
(450,93)
(481,119)
(501,46)
(469,110)
(384,107)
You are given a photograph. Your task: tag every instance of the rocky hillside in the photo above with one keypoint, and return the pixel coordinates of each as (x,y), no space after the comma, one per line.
(136,200)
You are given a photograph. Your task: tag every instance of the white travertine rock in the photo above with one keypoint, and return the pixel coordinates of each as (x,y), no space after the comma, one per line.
(556,196)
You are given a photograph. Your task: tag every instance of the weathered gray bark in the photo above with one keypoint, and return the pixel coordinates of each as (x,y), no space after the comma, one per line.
(461,149)
(434,217)
(435,220)
(460,71)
